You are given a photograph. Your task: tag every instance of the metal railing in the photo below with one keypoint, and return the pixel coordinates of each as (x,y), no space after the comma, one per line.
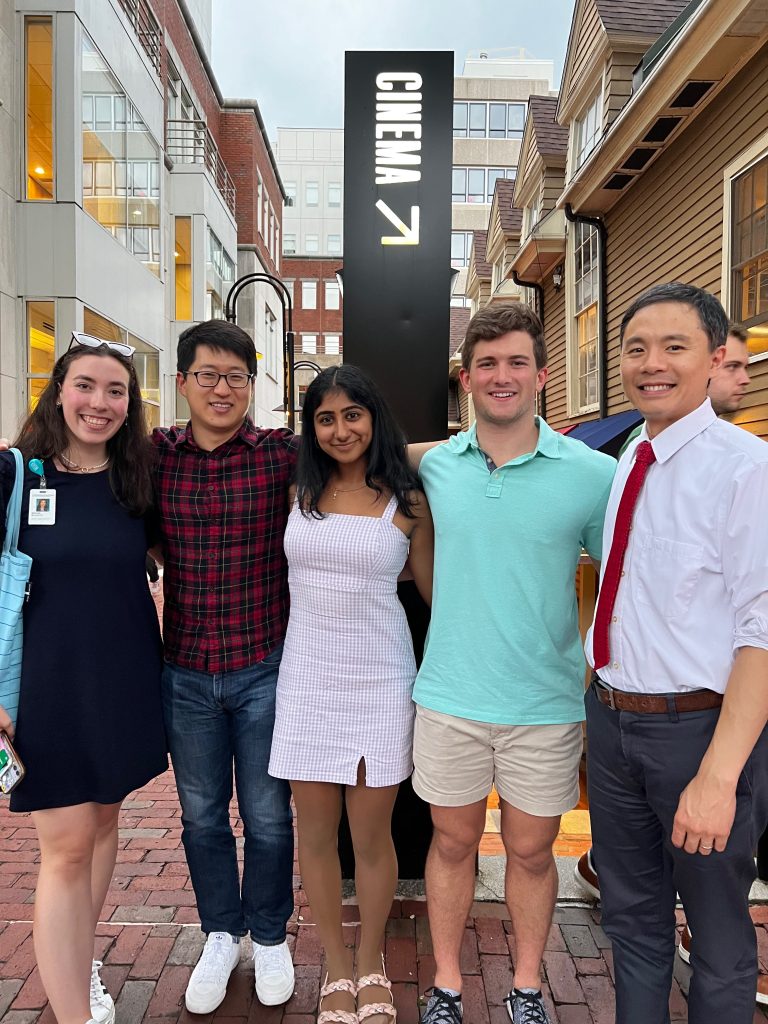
(146,27)
(190,142)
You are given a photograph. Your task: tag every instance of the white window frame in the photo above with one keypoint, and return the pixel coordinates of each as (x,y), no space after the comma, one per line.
(582,152)
(332,293)
(309,344)
(335,342)
(744,162)
(309,294)
(572,337)
(314,187)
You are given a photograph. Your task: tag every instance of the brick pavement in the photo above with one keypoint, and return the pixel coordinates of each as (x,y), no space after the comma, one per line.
(150,939)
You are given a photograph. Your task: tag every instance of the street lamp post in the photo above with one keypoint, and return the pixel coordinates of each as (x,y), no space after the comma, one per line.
(230,312)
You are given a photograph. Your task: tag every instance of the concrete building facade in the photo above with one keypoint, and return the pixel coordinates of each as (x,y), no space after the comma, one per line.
(131,194)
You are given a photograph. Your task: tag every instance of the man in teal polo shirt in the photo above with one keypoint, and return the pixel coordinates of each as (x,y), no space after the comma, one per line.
(500,694)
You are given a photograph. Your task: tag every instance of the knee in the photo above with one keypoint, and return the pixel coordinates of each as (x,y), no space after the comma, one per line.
(69,857)
(373,845)
(529,856)
(455,845)
(318,839)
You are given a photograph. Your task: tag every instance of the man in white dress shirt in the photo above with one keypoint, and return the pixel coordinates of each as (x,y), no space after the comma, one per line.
(678,750)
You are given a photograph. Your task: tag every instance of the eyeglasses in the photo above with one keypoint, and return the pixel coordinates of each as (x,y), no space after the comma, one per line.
(88,341)
(209,378)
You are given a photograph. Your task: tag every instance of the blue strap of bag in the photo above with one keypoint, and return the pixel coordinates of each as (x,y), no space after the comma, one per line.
(13,512)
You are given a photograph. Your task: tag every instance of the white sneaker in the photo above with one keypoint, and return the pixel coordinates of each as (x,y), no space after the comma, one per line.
(102,1004)
(208,983)
(273,970)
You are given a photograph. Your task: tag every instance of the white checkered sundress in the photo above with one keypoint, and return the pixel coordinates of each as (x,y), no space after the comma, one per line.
(344,691)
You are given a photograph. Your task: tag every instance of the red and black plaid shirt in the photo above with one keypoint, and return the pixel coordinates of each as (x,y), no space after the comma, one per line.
(222,516)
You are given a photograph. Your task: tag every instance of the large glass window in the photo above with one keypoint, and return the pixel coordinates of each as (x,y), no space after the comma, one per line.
(494,173)
(309,294)
(334,193)
(461,247)
(331,295)
(182,256)
(38,82)
(477,116)
(334,244)
(41,340)
(290,192)
(312,243)
(332,344)
(459,186)
(488,120)
(476,185)
(309,343)
(219,277)
(586,291)
(289,243)
(749,254)
(312,193)
(460,120)
(146,359)
(589,129)
(121,162)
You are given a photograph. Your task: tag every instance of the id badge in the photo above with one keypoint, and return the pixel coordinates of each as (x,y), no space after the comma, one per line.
(42,507)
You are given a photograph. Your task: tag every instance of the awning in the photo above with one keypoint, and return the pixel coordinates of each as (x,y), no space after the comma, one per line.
(568,429)
(597,433)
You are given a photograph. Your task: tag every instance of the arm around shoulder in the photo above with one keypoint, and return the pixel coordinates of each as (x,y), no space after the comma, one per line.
(421,556)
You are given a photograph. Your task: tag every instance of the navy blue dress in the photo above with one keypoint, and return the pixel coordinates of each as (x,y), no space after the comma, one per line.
(90,723)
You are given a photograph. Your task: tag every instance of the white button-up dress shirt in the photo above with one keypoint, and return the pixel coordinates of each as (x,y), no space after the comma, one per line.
(694,586)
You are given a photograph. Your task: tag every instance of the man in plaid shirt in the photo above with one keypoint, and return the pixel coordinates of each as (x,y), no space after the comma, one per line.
(222,504)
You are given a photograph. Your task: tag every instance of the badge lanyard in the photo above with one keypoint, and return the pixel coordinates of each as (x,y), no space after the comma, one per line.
(42,499)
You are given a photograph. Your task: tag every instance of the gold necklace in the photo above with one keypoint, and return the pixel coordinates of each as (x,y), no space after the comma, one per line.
(82,469)
(346,490)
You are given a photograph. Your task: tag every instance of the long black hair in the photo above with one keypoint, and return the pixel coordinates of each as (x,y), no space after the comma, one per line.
(43,434)
(387,463)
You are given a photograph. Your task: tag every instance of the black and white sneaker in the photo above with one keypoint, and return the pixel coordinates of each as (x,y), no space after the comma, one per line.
(442,1008)
(526,1007)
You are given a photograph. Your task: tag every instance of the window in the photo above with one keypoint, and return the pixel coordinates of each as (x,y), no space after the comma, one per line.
(588,129)
(290,192)
(497,117)
(146,360)
(515,120)
(532,215)
(461,247)
(312,193)
(312,243)
(332,344)
(39,107)
(459,301)
(476,185)
(309,343)
(309,294)
(121,162)
(459,120)
(331,295)
(477,116)
(334,244)
(271,355)
(289,289)
(41,343)
(182,261)
(459,186)
(259,192)
(289,243)
(334,193)
(586,286)
(219,277)
(494,173)
(749,254)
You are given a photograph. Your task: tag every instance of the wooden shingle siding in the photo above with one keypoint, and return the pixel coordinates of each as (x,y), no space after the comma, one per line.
(669,226)
(589,33)
(618,84)
(552,186)
(554,332)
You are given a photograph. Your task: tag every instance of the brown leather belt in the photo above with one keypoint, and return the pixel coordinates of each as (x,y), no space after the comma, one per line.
(654,704)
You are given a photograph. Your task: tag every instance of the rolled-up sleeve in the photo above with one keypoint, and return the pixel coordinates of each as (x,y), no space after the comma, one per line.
(745,556)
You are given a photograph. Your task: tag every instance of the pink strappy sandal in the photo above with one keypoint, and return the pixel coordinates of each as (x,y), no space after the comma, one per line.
(337,1016)
(372,1009)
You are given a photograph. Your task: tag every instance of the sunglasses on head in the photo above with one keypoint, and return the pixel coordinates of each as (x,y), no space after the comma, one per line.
(88,341)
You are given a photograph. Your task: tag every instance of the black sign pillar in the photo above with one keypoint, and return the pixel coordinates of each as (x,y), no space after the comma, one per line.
(398,145)
(398,152)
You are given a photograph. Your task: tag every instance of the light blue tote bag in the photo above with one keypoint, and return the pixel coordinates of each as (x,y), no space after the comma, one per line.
(14,575)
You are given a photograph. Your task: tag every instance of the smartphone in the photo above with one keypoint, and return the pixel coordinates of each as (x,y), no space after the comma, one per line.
(12,771)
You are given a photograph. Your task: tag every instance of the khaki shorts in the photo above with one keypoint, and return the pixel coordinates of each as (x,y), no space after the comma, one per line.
(535,768)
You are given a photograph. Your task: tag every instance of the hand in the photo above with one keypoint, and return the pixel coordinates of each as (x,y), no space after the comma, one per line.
(6,725)
(5,444)
(704,817)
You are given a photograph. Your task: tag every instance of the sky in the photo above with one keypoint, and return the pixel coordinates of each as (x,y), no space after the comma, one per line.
(289,54)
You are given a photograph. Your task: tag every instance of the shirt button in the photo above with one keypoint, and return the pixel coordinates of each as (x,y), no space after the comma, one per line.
(615,664)
(615,618)
(622,572)
(211,487)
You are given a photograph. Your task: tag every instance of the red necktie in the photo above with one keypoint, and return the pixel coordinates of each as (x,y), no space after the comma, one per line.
(609,587)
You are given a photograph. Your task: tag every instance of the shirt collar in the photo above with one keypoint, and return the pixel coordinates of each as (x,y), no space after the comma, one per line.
(247,433)
(677,434)
(548,443)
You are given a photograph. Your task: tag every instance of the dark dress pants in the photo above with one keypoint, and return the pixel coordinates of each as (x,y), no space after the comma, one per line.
(638,765)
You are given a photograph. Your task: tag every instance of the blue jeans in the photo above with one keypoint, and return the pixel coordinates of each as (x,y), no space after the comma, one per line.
(213,720)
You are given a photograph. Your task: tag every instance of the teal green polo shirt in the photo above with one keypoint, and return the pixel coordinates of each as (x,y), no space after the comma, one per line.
(504,644)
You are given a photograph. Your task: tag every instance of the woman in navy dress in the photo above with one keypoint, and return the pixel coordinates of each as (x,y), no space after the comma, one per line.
(89,726)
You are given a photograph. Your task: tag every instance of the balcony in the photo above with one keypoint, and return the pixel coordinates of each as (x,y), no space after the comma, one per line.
(542,249)
(146,28)
(190,142)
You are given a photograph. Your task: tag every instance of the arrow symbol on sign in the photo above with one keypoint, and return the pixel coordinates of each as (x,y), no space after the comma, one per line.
(408,235)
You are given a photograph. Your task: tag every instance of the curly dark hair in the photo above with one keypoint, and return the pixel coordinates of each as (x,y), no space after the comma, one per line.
(387,463)
(43,435)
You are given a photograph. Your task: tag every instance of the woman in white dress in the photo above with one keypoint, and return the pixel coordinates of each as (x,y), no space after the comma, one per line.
(344,718)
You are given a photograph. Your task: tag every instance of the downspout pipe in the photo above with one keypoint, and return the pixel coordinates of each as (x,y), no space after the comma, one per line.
(540,301)
(602,320)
